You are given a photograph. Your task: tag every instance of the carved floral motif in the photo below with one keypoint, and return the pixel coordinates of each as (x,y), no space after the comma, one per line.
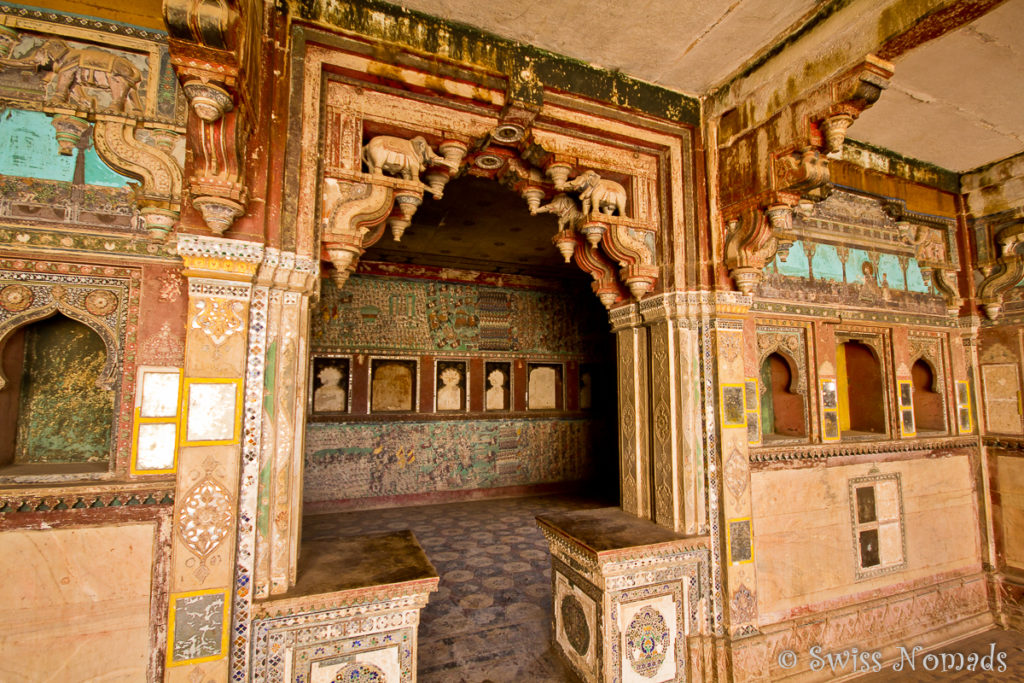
(218,318)
(205,518)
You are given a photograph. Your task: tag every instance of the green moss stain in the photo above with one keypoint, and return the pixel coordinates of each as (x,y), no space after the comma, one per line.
(886,161)
(63,416)
(269,378)
(529,69)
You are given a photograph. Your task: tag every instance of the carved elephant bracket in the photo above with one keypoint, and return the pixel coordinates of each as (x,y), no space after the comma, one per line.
(592,261)
(1008,270)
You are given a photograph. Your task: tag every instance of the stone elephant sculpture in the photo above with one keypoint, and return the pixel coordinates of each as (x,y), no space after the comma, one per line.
(563,206)
(76,68)
(408,158)
(599,194)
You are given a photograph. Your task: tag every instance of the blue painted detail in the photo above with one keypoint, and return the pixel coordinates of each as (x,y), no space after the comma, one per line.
(827,265)
(28,147)
(98,173)
(796,263)
(855,266)
(889,271)
(915,281)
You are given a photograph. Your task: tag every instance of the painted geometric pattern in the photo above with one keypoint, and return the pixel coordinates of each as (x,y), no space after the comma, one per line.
(360,673)
(574,623)
(384,459)
(388,313)
(647,641)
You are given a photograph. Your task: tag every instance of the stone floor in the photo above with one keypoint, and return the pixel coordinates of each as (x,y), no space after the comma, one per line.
(490,620)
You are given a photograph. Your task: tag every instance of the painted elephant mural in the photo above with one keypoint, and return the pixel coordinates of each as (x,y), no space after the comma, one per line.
(76,70)
(599,194)
(408,158)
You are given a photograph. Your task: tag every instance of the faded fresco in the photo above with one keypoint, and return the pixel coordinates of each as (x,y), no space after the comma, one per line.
(360,460)
(385,313)
(64,415)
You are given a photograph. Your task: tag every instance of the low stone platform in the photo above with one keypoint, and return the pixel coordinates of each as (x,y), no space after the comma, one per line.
(352,615)
(626,596)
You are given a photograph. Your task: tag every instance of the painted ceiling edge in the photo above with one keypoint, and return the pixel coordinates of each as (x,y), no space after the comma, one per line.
(462,44)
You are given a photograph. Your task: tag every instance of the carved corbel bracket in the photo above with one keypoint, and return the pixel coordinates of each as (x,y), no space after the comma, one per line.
(801,174)
(159,193)
(851,94)
(1008,270)
(751,244)
(352,209)
(627,245)
(605,285)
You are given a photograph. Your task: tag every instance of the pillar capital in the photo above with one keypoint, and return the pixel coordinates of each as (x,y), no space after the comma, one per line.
(219,258)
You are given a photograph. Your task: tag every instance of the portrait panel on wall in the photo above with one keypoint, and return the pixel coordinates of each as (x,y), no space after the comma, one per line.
(392,385)
(544,389)
(830,424)
(906,395)
(962,393)
(732,405)
(450,385)
(829,397)
(907,415)
(330,384)
(499,385)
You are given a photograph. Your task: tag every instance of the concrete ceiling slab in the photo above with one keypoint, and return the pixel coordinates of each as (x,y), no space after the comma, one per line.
(957,101)
(684,46)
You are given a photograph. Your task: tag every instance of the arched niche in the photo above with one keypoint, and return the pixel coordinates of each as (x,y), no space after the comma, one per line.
(56,407)
(783,408)
(929,406)
(862,398)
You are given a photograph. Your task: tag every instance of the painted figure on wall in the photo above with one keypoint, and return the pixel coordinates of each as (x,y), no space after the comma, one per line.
(330,397)
(497,394)
(585,391)
(543,389)
(449,396)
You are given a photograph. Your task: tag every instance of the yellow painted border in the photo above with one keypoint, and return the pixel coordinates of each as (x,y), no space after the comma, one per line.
(224,629)
(965,404)
(728,540)
(821,402)
(743,404)
(900,383)
(185,393)
(135,442)
(139,420)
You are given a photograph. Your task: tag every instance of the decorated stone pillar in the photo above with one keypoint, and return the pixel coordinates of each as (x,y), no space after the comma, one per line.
(729,468)
(677,473)
(206,516)
(289,280)
(634,454)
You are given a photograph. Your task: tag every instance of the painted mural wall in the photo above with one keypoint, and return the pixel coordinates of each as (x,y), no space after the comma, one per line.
(504,381)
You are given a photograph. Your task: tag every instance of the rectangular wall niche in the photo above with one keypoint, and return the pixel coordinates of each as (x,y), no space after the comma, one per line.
(330,384)
(450,382)
(876,510)
(545,390)
(393,385)
(499,385)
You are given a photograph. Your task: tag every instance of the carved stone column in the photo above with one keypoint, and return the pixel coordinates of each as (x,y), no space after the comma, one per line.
(678,477)
(290,280)
(634,455)
(206,517)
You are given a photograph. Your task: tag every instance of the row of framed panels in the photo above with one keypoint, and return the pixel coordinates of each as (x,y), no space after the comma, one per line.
(392,385)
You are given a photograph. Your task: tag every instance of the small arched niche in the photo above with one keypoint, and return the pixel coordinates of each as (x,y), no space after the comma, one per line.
(861,390)
(928,407)
(782,409)
(54,409)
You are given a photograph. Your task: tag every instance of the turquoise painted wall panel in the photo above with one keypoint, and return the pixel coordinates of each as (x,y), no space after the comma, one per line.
(367,460)
(855,265)
(826,263)
(796,264)
(28,147)
(889,270)
(915,280)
